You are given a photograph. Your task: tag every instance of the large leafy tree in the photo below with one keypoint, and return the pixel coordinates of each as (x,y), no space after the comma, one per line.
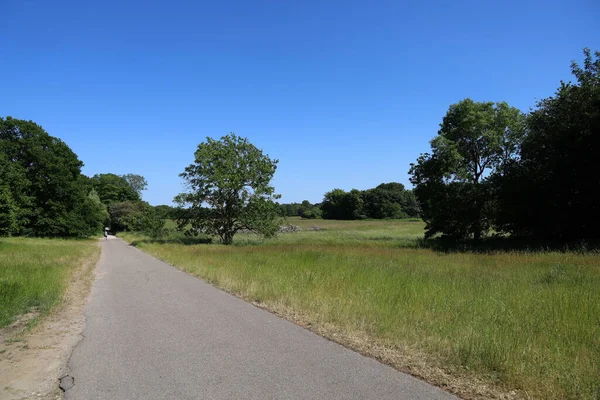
(339,204)
(113,188)
(137,182)
(475,140)
(551,191)
(390,200)
(229,190)
(41,184)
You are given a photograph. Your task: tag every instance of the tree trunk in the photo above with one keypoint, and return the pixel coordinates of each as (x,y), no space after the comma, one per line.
(227,238)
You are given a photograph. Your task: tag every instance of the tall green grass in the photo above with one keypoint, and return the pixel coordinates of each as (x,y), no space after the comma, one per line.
(34,273)
(522,320)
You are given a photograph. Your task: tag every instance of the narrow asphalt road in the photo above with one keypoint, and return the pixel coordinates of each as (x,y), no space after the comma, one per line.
(154,332)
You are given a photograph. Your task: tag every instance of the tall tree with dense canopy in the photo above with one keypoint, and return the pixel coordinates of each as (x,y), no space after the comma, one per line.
(385,201)
(113,188)
(41,184)
(552,191)
(475,140)
(229,189)
(339,204)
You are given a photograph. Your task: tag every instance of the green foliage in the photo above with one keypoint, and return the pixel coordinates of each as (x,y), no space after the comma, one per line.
(410,204)
(304,210)
(232,177)
(8,207)
(113,188)
(8,217)
(136,182)
(123,215)
(313,212)
(165,211)
(386,201)
(48,194)
(337,204)
(551,192)
(92,215)
(474,141)
(136,216)
(289,210)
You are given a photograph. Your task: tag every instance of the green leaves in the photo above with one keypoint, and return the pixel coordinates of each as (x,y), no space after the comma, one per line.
(113,188)
(41,181)
(552,191)
(534,176)
(388,200)
(137,182)
(475,140)
(228,189)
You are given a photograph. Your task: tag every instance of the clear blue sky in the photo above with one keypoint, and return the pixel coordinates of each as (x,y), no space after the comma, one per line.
(346,94)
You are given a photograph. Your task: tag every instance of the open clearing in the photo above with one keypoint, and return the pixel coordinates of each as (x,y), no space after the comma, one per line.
(43,289)
(499,324)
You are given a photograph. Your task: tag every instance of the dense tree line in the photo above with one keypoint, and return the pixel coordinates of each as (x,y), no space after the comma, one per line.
(122,195)
(386,201)
(44,193)
(42,190)
(304,210)
(494,169)
(165,211)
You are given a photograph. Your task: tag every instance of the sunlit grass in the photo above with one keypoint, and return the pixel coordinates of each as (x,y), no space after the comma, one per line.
(34,273)
(522,320)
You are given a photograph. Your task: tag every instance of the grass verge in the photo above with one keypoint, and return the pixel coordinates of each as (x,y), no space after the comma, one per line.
(511,323)
(34,274)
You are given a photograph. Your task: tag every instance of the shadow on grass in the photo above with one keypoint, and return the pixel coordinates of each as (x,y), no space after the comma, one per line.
(188,241)
(494,244)
(506,244)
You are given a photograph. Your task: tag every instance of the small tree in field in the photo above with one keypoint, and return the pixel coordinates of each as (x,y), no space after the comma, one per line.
(228,190)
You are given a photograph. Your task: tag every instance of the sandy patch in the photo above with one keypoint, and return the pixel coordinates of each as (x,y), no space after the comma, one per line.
(31,363)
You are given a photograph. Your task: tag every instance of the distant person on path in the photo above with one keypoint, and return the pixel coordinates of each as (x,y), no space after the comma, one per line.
(105,234)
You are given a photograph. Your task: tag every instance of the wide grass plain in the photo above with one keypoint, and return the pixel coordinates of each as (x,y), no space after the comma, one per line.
(482,323)
(34,274)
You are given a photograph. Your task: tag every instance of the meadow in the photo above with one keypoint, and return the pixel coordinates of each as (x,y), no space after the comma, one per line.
(480,323)
(34,274)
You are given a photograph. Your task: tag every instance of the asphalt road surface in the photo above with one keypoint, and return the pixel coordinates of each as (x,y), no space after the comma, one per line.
(154,332)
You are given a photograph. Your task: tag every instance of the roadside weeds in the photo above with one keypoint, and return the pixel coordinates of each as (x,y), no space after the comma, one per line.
(34,351)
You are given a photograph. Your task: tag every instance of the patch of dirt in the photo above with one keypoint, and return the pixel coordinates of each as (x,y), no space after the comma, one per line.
(19,326)
(31,362)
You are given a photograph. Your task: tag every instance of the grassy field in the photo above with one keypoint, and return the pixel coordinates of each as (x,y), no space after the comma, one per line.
(34,273)
(524,321)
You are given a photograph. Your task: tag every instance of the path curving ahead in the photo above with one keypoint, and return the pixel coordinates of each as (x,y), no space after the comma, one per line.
(154,332)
